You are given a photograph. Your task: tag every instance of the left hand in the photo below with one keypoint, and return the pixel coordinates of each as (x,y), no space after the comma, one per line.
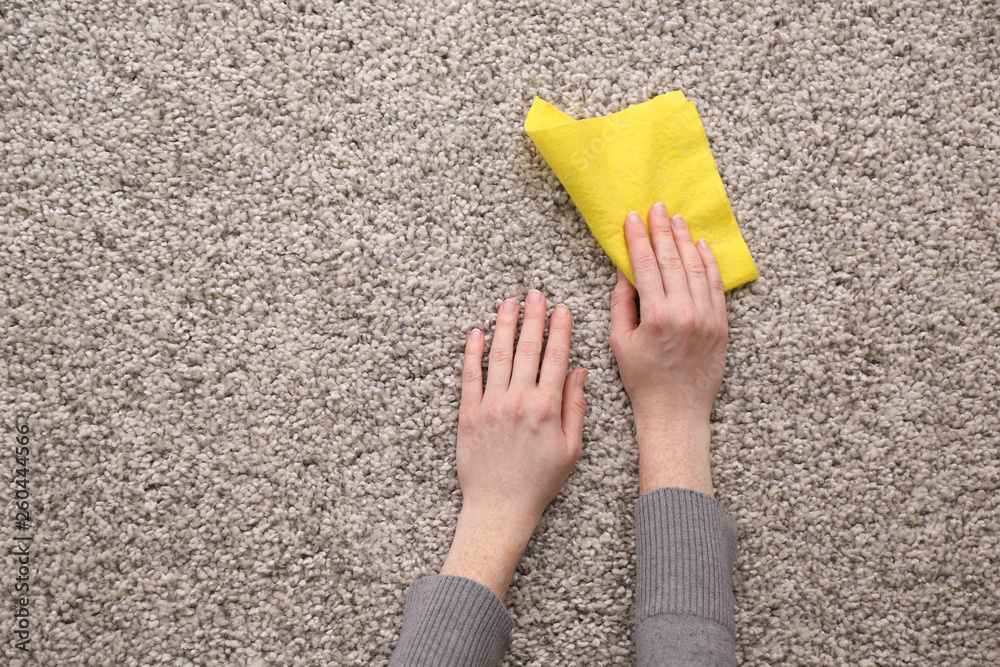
(517,441)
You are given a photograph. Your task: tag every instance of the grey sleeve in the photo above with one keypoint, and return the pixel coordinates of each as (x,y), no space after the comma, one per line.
(685,553)
(452,620)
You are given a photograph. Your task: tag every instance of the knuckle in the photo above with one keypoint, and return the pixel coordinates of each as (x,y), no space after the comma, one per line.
(514,406)
(470,375)
(646,263)
(529,348)
(660,317)
(695,269)
(707,327)
(716,284)
(500,355)
(687,328)
(671,262)
(685,322)
(557,353)
(545,408)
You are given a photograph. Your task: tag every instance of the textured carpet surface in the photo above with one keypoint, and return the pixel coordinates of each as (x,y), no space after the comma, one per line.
(242,244)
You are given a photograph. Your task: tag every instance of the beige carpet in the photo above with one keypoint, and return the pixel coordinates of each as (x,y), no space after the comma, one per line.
(242,244)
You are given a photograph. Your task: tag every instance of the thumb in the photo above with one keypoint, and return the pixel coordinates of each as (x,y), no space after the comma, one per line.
(574,407)
(624,312)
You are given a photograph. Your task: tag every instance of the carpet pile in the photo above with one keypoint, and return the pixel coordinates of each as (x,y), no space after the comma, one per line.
(242,244)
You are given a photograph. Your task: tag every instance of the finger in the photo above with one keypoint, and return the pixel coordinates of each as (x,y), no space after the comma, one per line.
(667,256)
(716,287)
(502,349)
(472,370)
(553,375)
(624,313)
(574,409)
(691,258)
(529,342)
(648,282)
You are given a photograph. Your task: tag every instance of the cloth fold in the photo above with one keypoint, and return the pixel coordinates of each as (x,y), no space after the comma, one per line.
(628,161)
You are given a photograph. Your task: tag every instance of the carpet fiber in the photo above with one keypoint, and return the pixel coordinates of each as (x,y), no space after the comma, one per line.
(242,244)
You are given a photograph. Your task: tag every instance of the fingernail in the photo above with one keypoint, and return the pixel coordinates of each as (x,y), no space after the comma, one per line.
(703,243)
(660,209)
(534,296)
(581,379)
(678,222)
(476,335)
(634,218)
(508,307)
(561,311)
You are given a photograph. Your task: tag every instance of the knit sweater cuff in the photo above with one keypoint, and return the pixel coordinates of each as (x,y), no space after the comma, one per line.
(451,620)
(685,553)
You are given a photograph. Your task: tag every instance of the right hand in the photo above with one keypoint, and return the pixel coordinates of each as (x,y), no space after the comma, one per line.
(671,348)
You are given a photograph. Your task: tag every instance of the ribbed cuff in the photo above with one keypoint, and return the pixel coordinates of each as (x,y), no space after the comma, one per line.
(685,553)
(451,620)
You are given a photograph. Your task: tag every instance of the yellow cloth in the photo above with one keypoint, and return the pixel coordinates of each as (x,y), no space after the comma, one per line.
(628,161)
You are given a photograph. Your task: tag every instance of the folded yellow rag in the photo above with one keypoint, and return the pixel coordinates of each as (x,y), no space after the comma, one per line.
(628,161)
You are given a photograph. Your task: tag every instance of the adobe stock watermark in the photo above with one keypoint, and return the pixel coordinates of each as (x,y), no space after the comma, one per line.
(21,551)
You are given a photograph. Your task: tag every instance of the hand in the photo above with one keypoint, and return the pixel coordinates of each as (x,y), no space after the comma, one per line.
(517,440)
(671,351)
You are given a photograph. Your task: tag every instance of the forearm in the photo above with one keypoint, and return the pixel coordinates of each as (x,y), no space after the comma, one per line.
(486,549)
(686,550)
(452,622)
(686,544)
(459,618)
(674,452)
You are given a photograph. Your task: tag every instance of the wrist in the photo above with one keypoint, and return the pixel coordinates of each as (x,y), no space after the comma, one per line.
(486,548)
(664,411)
(671,428)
